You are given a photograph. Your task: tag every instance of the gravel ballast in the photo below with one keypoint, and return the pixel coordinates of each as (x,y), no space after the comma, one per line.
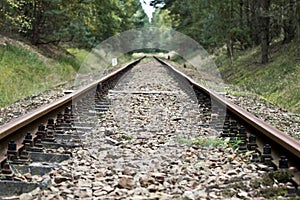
(151,144)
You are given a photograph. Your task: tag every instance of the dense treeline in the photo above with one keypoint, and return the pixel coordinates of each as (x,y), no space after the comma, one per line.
(237,24)
(81,22)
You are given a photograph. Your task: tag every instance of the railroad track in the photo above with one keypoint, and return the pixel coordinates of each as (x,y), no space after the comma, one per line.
(32,146)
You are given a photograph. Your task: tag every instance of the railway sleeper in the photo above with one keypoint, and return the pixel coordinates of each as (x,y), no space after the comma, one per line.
(15,175)
(247,141)
(33,157)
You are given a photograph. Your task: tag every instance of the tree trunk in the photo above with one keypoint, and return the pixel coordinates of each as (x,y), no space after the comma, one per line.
(247,12)
(35,23)
(265,23)
(298,27)
(289,24)
(229,46)
(254,25)
(38,21)
(2,9)
(241,14)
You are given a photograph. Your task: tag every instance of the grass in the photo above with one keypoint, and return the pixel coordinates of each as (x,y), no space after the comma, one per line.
(126,137)
(23,73)
(278,81)
(204,142)
(79,54)
(211,142)
(92,63)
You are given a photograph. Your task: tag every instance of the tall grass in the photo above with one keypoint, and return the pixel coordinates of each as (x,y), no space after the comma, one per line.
(22,73)
(278,81)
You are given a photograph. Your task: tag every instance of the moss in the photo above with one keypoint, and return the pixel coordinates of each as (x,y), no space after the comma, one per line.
(126,137)
(266,180)
(228,193)
(255,184)
(271,192)
(282,176)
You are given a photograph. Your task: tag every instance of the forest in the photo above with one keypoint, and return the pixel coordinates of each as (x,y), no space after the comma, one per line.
(234,24)
(81,23)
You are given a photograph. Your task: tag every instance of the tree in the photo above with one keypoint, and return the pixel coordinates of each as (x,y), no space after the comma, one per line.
(82,22)
(236,24)
(298,27)
(289,23)
(265,23)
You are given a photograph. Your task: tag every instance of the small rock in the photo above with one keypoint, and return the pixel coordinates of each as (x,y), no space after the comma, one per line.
(84,184)
(60,150)
(213,195)
(152,188)
(54,189)
(99,175)
(67,191)
(236,163)
(243,194)
(160,177)
(50,197)
(86,193)
(262,167)
(26,196)
(60,179)
(146,181)
(200,194)
(77,175)
(98,193)
(188,195)
(108,189)
(111,141)
(161,196)
(231,172)
(28,176)
(71,196)
(35,192)
(126,182)
(120,192)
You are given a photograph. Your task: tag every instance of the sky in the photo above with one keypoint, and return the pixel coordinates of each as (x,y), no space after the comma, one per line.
(147,8)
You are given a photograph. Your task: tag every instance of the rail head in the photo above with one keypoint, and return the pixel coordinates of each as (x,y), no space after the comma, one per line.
(284,140)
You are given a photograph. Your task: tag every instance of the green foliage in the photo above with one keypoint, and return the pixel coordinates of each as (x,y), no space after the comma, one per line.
(215,142)
(235,24)
(80,54)
(227,27)
(15,13)
(163,19)
(234,143)
(82,23)
(126,137)
(209,23)
(277,81)
(23,73)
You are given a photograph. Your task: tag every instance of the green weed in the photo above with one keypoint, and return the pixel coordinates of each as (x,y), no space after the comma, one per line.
(205,142)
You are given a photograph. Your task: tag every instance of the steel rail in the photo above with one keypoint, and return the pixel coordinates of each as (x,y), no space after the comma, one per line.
(284,140)
(290,144)
(16,124)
